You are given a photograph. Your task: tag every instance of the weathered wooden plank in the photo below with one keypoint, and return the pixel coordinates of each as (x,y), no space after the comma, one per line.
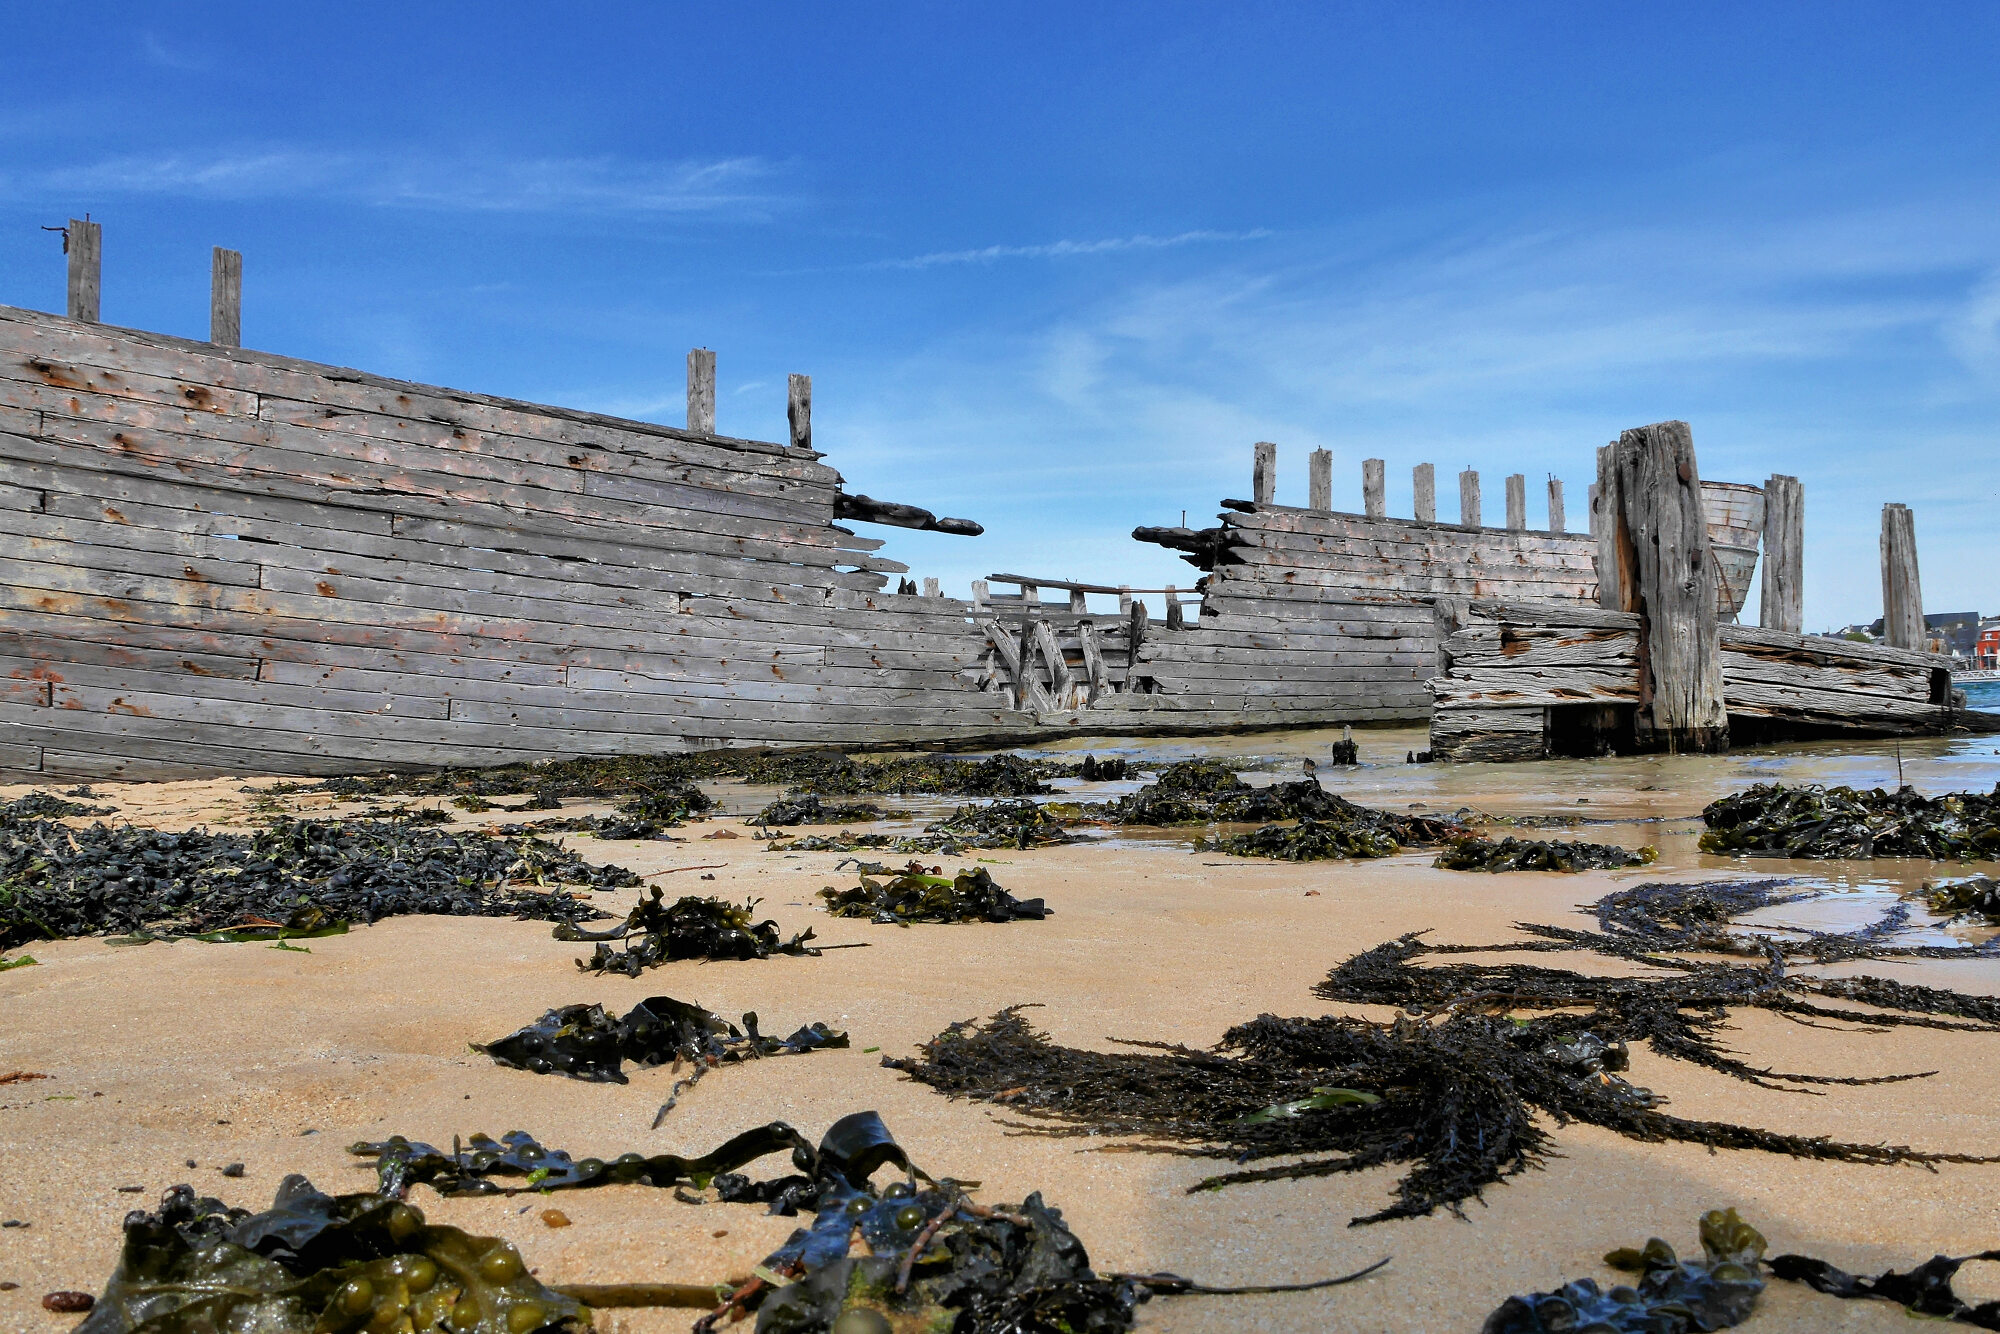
(1467,735)
(1781,602)
(1825,648)
(1902,589)
(1534,687)
(84,242)
(1517,502)
(701,391)
(1557,519)
(1264,472)
(225,298)
(1319,479)
(1423,481)
(1468,498)
(799,410)
(1374,502)
(61,380)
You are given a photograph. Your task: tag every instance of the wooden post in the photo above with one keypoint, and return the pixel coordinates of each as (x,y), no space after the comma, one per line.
(1138,623)
(1078,603)
(799,410)
(1373,502)
(1031,597)
(85,242)
(1176,618)
(1319,479)
(1781,603)
(1517,502)
(1124,599)
(225,298)
(1616,588)
(1902,591)
(930,587)
(701,391)
(1468,498)
(1662,550)
(1423,481)
(979,595)
(1557,519)
(1264,474)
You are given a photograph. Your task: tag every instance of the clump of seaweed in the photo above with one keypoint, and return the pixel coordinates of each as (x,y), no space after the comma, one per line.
(918,895)
(1972,896)
(313,1263)
(48,806)
(691,927)
(1009,823)
(1209,792)
(1924,1291)
(1472,853)
(1339,830)
(1672,1296)
(584,1042)
(807,808)
(1457,1079)
(57,880)
(1774,820)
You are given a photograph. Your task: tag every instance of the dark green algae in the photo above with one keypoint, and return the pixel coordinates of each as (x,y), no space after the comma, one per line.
(690,927)
(1810,821)
(917,894)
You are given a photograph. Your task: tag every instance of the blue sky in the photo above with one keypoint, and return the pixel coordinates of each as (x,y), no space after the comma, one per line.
(1056,267)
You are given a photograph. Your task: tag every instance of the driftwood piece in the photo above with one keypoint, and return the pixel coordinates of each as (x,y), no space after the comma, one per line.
(225,298)
(1781,603)
(1902,590)
(1662,534)
(866,509)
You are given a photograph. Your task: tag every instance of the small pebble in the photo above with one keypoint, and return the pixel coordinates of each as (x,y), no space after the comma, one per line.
(190,1162)
(721,1232)
(8,1286)
(555,1218)
(13,1222)
(233,1170)
(68,1302)
(130,1190)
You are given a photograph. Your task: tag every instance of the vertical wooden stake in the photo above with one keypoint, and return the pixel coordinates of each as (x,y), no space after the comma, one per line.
(1557,519)
(86,268)
(1781,603)
(1124,599)
(1176,618)
(799,410)
(1373,495)
(1468,498)
(979,595)
(225,298)
(701,391)
(1423,480)
(1078,604)
(1517,502)
(1031,597)
(1617,581)
(930,587)
(1264,474)
(1902,591)
(1319,479)
(1662,534)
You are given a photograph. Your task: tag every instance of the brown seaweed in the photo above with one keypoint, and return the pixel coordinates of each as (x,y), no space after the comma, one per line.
(806,808)
(1472,853)
(59,880)
(1776,820)
(584,1042)
(1924,1291)
(691,927)
(1015,822)
(915,894)
(1672,1295)
(1972,896)
(1479,1050)
(1209,792)
(318,1264)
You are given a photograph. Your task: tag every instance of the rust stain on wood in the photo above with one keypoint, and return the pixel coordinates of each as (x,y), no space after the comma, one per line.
(326,590)
(136,710)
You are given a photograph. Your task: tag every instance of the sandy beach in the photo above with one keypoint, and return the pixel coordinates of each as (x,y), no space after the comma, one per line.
(170,1053)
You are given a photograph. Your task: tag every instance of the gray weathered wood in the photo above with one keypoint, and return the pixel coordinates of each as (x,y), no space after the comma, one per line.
(1176,616)
(1781,603)
(1061,680)
(1423,481)
(225,298)
(1617,586)
(799,410)
(701,391)
(1373,496)
(85,242)
(1663,536)
(1097,678)
(1264,473)
(1902,590)
(1468,498)
(1319,479)
(1078,603)
(979,594)
(1517,502)
(930,587)
(1557,519)
(1125,599)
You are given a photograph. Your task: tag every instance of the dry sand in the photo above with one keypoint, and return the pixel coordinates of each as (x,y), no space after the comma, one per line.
(226,1053)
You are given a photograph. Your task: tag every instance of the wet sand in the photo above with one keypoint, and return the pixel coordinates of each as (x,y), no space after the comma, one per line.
(225,1053)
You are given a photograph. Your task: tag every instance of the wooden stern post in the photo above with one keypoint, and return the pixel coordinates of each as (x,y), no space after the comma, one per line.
(85,241)
(1423,481)
(701,391)
(1902,591)
(1781,603)
(225,298)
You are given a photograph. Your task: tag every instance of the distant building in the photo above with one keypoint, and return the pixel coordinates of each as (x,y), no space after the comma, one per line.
(1955,633)
(1986,649)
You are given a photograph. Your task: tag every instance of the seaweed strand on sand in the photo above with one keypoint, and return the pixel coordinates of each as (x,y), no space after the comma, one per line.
(1460,1088)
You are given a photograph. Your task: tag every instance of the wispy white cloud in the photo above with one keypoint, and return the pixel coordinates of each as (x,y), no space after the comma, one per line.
(1066,249)
(743,185)
(158,52)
